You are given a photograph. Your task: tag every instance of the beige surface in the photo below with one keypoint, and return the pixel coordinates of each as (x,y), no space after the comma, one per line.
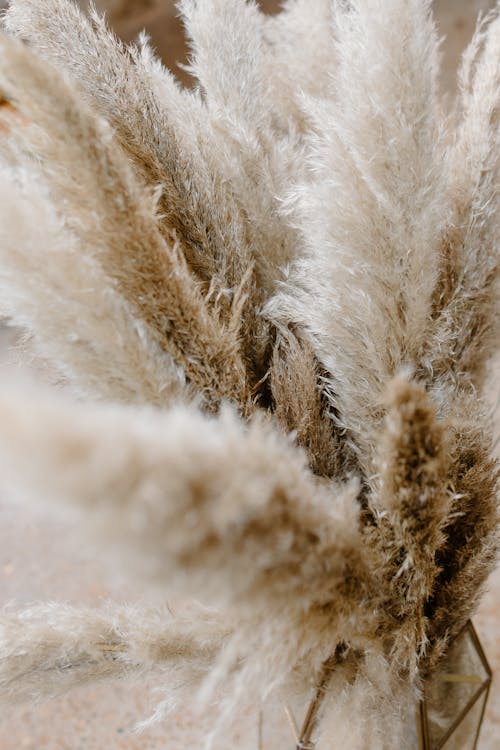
(37,560)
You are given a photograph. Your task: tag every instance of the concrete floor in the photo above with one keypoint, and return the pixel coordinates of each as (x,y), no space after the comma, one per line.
(38,563)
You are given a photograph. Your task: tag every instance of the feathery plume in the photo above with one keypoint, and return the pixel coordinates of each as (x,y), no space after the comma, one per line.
(371,212)
(463,331)
(206,492)
(300,405)
(411,508)
(115,217)
(65,302)
(299,258)
(49,648)
(168,136)
(300,50)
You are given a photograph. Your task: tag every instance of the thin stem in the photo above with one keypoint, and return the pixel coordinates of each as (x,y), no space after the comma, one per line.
(305,741)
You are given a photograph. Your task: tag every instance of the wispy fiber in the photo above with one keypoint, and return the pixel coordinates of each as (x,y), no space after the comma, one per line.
(115,215)
(167,132)
(206,491)
(49,648)
(371,211)
(464,325)
(284,283)
(64,301)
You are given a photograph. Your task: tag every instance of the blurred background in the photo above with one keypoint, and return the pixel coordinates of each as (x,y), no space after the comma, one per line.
(38,562)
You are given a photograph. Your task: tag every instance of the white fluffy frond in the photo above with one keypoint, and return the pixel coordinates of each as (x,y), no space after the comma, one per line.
(300,57)
(188,498)
(166,134)
(372,208)
(115,218)
(46,649)
(299,258)
(62,298)
(464,331)
(258,160)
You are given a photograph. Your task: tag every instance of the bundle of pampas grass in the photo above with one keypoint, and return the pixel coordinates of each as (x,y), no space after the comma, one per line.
(276,298)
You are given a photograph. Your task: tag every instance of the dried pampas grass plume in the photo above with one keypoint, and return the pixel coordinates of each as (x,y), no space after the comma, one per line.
(277,298)
(49,648)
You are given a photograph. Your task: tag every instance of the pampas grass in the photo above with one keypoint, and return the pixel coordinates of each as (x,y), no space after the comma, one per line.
(277,298)
(78,645)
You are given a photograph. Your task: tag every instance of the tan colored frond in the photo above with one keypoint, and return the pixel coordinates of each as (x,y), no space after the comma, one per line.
(115,218)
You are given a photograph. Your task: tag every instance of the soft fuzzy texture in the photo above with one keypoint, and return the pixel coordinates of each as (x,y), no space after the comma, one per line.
(284,284)
(49,648)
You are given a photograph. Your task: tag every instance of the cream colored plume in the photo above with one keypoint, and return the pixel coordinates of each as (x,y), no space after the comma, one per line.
(276,297)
